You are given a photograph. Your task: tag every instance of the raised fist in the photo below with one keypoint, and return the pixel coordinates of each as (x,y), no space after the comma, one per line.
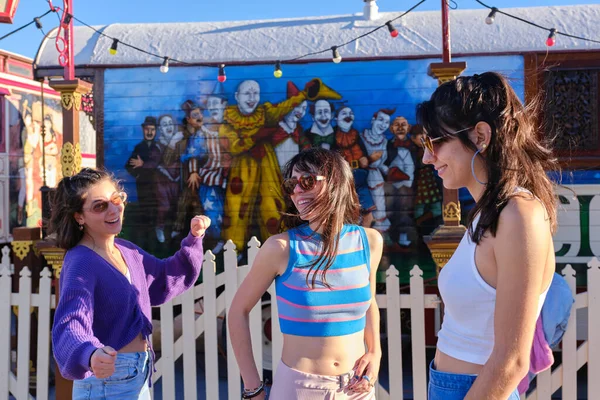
(199,225)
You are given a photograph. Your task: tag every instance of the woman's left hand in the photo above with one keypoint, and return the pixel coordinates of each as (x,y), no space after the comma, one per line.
(199,225)
(366,370)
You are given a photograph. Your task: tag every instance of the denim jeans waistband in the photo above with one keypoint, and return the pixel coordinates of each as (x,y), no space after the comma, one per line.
(450,380)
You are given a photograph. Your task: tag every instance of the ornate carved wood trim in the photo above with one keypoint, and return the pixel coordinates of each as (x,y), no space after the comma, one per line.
(569,84)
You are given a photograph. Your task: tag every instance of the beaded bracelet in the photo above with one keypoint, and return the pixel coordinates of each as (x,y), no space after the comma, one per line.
(249,394)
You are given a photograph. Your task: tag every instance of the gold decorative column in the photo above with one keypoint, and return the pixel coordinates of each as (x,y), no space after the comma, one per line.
(71,91)
(445,239)
(54,257)
(446,71)
(70,96)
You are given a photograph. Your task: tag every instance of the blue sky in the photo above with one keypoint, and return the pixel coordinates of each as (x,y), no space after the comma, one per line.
(26,42)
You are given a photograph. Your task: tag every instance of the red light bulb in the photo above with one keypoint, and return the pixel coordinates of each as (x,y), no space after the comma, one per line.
(551,41)
(393,31)
(222,78)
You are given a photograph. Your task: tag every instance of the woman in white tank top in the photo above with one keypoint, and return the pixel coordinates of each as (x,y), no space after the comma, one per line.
(478,135)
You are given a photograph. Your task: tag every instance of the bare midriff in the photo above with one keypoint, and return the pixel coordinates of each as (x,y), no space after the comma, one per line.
(137,345)
(333,355)
(445,363)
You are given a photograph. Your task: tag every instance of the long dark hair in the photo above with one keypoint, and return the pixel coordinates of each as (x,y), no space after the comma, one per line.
(332,208)
(67,200)
(517,155)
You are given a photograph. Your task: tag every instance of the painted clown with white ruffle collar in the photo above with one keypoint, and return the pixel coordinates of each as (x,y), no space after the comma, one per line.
(255,177)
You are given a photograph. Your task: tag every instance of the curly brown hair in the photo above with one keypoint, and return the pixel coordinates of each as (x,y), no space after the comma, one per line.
(67,200)
(516,156)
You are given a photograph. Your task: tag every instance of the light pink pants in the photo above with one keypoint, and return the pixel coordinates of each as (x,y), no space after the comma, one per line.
(291,384)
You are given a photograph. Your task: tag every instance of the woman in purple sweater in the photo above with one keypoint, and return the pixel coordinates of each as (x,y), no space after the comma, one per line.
(107,287)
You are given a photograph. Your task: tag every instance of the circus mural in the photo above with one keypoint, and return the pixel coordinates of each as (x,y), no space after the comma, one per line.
(185,143)
(33,153)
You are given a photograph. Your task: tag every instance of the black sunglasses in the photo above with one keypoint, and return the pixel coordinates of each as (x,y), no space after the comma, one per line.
(100,206)
(306,182)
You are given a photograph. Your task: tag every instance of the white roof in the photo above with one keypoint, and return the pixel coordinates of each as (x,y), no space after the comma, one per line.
(269,40)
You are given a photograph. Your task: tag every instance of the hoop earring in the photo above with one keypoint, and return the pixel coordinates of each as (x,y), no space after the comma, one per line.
(473,166)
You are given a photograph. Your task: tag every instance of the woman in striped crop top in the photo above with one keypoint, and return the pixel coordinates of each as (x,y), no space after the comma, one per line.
(324,271)
(479,135)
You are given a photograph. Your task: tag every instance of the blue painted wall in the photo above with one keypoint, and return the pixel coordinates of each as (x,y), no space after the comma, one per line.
(133,94)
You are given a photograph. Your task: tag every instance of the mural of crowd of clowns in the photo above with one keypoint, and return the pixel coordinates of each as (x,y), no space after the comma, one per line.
(225,160)
(26,145)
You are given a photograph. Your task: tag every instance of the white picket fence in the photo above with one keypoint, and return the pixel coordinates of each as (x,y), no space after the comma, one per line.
(206,324)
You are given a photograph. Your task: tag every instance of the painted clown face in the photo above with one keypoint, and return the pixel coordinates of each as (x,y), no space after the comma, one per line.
(166,126)
(345,119)
(380,123)
(322,113)
(248,96)
(297,113)
(216,107)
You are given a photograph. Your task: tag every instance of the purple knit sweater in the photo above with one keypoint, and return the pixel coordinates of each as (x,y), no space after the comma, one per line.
(99,307)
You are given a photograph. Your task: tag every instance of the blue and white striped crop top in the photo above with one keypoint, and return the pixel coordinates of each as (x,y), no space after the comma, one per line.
(337,310)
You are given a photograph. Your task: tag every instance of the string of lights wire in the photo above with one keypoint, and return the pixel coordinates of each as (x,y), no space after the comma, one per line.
(552,32)
(388,24)
(278,73)
(336,58)
(113,48)
(37,21)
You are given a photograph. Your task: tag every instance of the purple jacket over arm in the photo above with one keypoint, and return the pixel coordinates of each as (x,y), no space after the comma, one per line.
(99,307)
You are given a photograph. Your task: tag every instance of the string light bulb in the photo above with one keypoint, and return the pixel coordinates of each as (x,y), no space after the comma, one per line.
(164,68)
(222,77)
(393,31)
(113,47)
(551,41)
(278,73)
(491,16)
(336,55)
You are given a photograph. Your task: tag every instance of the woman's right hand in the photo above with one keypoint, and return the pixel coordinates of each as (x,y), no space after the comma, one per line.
(102,362)
(199,225)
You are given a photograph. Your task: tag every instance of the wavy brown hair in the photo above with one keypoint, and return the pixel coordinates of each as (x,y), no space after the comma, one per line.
(68,199)
(332,208)
(517,155)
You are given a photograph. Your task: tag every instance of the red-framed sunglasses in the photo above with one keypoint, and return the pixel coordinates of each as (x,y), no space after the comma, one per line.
(428,142)
(99,206)
(306,182)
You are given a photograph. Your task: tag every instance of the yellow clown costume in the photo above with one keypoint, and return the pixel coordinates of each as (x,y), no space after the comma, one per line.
(255,177)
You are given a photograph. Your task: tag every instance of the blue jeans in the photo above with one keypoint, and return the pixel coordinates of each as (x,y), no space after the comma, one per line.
(129,382)
(448,386)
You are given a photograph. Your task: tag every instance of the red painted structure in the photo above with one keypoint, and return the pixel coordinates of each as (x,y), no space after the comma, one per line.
(8,12)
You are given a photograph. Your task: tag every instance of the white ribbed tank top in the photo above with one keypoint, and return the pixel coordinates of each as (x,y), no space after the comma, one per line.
(469,302)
